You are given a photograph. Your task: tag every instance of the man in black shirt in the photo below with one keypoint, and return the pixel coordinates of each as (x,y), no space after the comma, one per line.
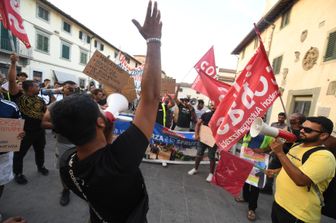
(186,113)
(106,175)
(204,120)
(32,108)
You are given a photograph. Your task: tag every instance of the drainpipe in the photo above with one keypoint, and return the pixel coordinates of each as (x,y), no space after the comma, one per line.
(271,37)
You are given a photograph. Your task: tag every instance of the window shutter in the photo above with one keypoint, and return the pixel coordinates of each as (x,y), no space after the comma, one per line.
(102,47)
(80,35)
(88,40)
(331,47)
(95,43)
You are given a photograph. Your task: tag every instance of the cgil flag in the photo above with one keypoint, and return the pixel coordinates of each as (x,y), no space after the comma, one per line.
(205,82)
(253,93)
(11,20)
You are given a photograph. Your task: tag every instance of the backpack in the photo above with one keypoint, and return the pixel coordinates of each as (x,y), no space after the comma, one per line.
(329,195)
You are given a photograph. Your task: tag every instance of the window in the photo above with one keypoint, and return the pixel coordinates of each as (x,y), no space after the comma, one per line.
(42,40)
(302,104)
(82,82)
(65,50)
(98,45)
(285,19)
(66,27)
(83,57)
(43,13)
(37,76)
(331,47)
(277,64)
(84,37)
(102,47)
(95,43)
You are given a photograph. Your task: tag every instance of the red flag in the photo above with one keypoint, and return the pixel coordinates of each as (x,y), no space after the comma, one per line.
(214,89)
(207,65)
(231,173)
(253,93)
(12,20)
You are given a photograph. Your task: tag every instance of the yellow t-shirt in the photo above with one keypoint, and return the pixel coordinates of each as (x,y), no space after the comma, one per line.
(298,201)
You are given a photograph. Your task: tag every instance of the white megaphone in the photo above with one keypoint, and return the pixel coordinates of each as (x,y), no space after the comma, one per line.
(117,103)
(259,127)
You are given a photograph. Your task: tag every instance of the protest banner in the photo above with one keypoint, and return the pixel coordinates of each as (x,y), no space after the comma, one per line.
(128,91)
(9,132)
(253,93)
(166,145)
(257,177)
(167,86)
(106,72)
(206,136)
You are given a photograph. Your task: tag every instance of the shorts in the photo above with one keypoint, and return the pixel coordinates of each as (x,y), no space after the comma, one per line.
(211,150)
(6,168)
(59,150)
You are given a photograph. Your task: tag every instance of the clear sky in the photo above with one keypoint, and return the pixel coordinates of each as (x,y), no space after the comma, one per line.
(190,28)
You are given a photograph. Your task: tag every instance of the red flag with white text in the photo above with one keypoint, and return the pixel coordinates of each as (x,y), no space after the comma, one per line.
(207,65)
(214,89)
(231,173)
(11,20)
(252,94)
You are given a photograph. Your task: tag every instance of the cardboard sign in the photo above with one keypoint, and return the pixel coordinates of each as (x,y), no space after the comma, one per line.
(128,91)
(9,132)
(206,136)
(167,86)
(106,72)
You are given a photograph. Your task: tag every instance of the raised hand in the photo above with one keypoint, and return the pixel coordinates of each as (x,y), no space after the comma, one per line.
(152,26)
(13,58)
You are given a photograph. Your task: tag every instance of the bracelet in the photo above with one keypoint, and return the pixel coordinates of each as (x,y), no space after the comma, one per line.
(153,40)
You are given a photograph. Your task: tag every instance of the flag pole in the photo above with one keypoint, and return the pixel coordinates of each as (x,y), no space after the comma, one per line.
(186,75)
(280,93)
(11,40)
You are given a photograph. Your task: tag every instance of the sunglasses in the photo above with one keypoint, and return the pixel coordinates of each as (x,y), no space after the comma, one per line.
(309,130)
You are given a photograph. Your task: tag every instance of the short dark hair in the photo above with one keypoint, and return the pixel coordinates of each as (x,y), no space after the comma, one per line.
(68,82)
(96,91)
(22,74)
(200,101)
(27,84)
(282,114)
(326,124)
(75,118)
(46,80)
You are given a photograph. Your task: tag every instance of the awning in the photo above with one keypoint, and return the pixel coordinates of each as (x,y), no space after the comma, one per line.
(61,77)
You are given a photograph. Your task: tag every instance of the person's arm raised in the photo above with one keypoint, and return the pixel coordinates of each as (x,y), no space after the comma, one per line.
(151,80)
(12,85)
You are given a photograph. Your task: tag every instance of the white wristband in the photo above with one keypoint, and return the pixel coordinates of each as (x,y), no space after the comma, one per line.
(153,40)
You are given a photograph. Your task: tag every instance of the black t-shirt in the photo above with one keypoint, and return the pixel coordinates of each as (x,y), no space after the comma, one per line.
(184,116)
(111,178)
(206,117)
(32,109)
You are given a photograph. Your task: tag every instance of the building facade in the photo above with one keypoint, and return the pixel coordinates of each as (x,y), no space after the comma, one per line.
(300,39)
(61,45)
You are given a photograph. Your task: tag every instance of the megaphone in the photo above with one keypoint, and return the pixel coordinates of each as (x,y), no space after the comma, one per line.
(259,127)
(117,103)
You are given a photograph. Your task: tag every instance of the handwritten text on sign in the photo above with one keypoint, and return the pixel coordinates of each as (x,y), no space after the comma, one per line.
(106,72)
(9,131)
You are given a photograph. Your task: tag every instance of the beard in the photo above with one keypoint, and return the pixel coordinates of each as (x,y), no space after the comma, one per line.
(311,139)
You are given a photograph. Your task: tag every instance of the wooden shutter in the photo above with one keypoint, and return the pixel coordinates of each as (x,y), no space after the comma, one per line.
(331,47)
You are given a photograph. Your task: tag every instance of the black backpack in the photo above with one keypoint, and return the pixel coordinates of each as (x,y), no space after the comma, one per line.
(329,195)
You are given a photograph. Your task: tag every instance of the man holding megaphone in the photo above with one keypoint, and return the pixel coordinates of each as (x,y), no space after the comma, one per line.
(296,200)
(107,175)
